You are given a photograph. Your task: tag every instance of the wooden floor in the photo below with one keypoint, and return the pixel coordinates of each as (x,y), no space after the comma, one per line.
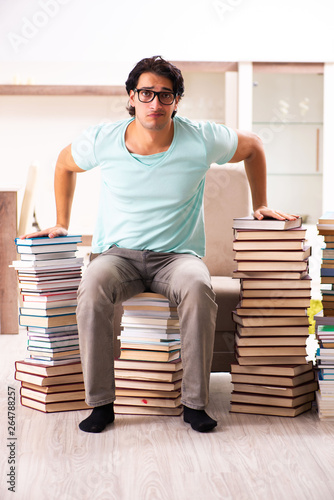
(247,457)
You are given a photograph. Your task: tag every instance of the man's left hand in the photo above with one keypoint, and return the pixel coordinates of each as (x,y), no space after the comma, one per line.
(262,212)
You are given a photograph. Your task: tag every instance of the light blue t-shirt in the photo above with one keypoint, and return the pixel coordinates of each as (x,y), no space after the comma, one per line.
(153,202)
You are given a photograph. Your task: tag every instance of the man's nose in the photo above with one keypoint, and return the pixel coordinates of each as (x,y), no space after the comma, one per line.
(155,103)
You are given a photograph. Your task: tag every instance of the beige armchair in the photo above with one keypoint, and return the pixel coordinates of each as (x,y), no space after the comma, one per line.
(226,196)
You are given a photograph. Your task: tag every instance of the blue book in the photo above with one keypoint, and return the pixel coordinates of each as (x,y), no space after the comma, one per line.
(45,240)
(326,271)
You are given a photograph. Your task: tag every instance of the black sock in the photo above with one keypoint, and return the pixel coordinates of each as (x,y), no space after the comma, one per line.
(198,419)
(100,417)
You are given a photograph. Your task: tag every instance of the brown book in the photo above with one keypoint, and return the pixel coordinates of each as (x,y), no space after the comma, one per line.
(52,397)
(147,410)
(273,255)
(48,371)
(291,234)
(270,341)
(48,321)
(148,385)
(272,275)
(45,381)
(146,393)
(276,293)
(172,366)
(258,321)
(260,399)
(148,375)
(271,266)
(147,401)
(49,389)
(275,302)
(271,351)
(290,392)
(286,370)
(327,280)
(277,284)
(145,355)
(272,380)
(54,407)
(270,410)
(273,331)
(271,360)
(271,311)
(265,245)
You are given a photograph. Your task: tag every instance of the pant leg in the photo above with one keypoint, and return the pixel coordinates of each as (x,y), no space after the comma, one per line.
(185,280)
(107,280)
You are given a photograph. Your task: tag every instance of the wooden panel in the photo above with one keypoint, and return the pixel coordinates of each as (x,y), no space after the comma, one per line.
(281,67)
(8,280)
(63,90)
(206,66)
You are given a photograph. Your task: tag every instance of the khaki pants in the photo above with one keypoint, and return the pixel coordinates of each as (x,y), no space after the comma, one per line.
(118,274)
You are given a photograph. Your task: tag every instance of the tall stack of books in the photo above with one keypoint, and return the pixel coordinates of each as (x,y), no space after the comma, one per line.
(272,375)
(148,372)
(49,274)
(324,321)
(325,228)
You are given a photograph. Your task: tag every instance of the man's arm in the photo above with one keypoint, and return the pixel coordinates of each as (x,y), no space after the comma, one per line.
(250,151)
(64,185)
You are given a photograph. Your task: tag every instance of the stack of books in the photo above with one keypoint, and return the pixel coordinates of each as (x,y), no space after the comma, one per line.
(324,329)
(148,372)
(272,375)
(49,274)
(325,228)
(324,321)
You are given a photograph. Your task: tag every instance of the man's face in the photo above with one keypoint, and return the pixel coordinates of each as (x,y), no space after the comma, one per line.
(153,115)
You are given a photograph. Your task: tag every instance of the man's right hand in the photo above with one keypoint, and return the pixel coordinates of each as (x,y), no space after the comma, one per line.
(51,232)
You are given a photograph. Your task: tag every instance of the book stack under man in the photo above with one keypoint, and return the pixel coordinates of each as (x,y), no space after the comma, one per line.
(148,372)
(324,321)
(272,376)
(49,274)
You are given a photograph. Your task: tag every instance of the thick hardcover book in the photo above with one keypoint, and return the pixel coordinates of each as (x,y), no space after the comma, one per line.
(272,380)
(147,410)
(54,407)
(257,409)
(268,223)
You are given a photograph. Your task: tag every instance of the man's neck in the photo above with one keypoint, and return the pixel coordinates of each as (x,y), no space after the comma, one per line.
(143,141)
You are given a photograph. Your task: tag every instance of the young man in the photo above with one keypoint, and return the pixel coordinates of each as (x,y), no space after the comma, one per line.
(150,232)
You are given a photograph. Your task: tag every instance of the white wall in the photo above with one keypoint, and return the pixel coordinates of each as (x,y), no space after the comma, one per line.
(123,32)
(97,42)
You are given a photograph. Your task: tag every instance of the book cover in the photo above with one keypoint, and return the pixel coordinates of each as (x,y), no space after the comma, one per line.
(270,223)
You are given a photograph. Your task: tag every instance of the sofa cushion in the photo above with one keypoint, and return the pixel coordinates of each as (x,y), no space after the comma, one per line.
(227,292)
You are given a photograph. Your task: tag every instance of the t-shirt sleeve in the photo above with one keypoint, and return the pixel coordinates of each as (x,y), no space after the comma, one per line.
(83,148)
(221,142)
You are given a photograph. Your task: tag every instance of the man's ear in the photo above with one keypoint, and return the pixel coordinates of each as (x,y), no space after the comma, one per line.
(132,98)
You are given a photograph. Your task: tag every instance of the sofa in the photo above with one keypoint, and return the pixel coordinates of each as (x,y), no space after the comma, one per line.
(226,196)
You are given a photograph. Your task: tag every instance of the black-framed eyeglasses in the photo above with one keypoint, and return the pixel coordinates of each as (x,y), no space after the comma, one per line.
(146,95)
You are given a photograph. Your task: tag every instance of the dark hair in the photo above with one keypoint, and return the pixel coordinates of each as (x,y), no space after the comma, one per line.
(159,66)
